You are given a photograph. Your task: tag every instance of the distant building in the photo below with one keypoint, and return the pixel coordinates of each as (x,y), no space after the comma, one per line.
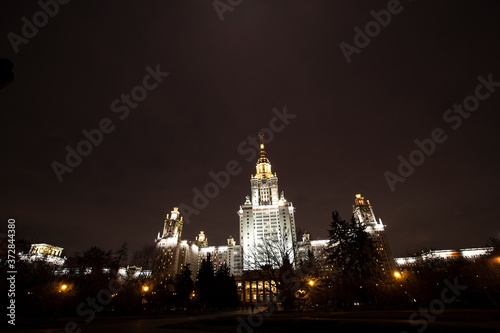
(44,252)
(318,248)
(364,214)
(229,254)
(469,254)
(175,252)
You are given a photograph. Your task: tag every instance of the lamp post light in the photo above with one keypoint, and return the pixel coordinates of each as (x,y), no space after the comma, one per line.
(144,289)
(63,288)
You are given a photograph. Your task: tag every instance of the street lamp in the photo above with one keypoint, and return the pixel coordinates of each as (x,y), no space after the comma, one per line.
(145,288)
(311,283)
(397,275)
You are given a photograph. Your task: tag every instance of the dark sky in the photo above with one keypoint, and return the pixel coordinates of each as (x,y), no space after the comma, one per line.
(352,120)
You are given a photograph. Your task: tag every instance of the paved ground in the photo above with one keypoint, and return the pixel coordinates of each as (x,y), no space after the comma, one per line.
(246,322)
(126,325)
(356,321)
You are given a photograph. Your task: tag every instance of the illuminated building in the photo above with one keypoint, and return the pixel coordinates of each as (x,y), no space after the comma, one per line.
(267,236)
(174,252)
(318,248)
(363,213)
(229,254)
(469,254)
(44,252)
(252,288)
(266,218)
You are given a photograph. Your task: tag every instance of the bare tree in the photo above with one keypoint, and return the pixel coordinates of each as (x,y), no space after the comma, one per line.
(274,261)
(145,257)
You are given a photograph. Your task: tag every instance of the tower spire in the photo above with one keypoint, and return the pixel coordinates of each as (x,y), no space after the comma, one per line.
(263,165)
(262,151)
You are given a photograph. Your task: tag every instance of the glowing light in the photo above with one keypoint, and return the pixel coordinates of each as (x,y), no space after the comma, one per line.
(145,288)
(311,283)
(64,287)
(397,275)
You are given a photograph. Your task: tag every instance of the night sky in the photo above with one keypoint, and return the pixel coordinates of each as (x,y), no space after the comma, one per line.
(352,120)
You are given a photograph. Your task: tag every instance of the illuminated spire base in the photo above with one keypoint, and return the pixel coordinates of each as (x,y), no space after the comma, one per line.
(263,166)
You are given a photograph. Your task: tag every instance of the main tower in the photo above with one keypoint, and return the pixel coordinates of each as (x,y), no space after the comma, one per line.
(267,222)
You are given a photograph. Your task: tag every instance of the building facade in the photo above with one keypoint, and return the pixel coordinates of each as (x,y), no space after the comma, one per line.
(364,214)
(467,254)
(44,252)
(267,235)
(267,221)
(229,254)
(174,253)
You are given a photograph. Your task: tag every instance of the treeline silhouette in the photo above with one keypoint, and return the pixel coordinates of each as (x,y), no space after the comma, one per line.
(90,283)
(347,276)
(355,279)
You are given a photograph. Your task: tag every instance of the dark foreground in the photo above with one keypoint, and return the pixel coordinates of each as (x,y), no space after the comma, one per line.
(245,321)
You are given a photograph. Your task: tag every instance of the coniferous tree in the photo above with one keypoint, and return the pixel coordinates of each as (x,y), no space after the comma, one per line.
(205,282)
(351,249)
(288,276)
(355,260)
(340,244)
(364,257)
(184,286)
(225,288)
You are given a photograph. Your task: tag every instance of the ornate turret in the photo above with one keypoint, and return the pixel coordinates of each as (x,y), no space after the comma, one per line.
(172,226)
(363,212)
(202,239)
